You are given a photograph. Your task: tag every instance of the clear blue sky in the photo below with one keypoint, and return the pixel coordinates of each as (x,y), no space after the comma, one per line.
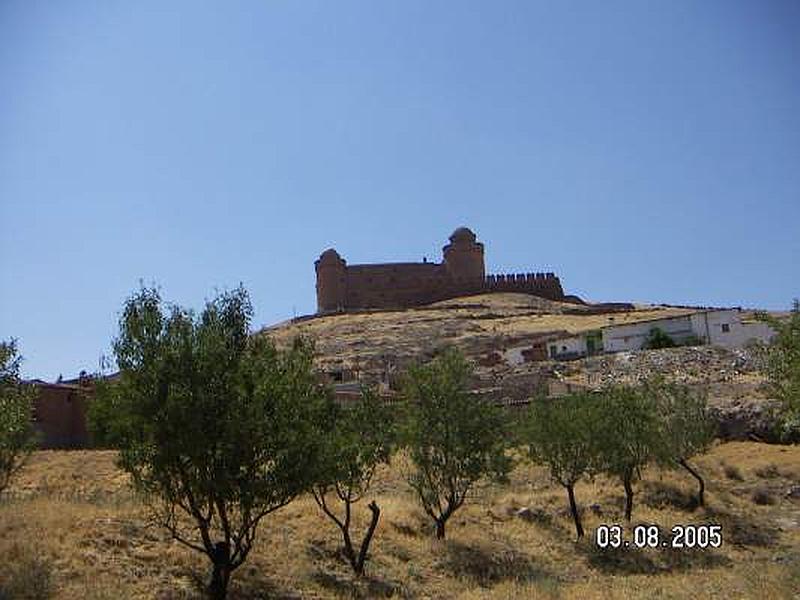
(645,151)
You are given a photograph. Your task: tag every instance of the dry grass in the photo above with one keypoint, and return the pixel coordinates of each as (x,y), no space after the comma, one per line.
(71,528)
(476,322)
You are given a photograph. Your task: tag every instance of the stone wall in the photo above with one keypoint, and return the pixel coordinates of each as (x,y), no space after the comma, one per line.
(60,415)
(342,287)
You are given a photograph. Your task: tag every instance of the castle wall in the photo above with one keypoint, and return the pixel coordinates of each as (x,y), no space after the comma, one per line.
(401,285)
(413,284)
(392,285)
(546,285)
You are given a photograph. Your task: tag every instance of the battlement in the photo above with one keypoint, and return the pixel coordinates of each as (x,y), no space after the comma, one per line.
(401,285)
(546,285)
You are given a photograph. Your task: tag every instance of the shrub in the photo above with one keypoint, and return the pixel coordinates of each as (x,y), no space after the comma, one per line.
(26,575)
(783,368)
(685,427)
(763,496)
(16,412)
(733,472)
(216,427)
(454,439)
(358,439)
(630,436)
(767,472)
(658,338)
(562,434)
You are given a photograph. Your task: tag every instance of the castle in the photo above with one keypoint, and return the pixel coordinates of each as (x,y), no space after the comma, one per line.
(342,287)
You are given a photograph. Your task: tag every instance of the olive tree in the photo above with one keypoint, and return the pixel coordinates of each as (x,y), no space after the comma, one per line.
(16,414)
(454,439)
(562,434)
(685,427)
(783,366)
(629,436)
(217,428)
(357,439)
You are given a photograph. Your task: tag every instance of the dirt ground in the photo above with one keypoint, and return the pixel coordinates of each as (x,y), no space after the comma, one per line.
(70,527)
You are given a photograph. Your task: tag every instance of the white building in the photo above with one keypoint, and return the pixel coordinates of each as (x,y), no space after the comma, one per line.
(716,327)
(586,343)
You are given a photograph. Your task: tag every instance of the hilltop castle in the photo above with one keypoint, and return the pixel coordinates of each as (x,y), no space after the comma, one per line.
(342,287)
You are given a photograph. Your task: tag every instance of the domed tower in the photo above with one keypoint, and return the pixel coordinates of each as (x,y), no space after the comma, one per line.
(463,256)
(331,281)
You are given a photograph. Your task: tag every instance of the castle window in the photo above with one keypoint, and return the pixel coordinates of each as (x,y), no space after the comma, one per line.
(726,328)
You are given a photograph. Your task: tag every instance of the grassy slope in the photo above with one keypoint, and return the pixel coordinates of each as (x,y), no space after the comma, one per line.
(472,322)
(71,519)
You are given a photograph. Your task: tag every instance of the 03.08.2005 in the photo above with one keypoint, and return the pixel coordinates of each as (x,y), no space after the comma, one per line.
(651,536)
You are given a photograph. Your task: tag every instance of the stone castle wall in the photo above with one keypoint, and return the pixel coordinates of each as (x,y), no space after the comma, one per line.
(342,287)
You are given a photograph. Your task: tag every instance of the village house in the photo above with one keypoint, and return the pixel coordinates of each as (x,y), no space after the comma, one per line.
(718,327)
(587,343)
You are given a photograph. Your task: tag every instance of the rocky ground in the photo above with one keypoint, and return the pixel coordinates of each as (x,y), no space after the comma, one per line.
(492,329)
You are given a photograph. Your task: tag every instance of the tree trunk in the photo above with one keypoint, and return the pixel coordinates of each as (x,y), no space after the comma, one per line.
(701,484)
(218,588)
(626,482)
(440,529)
(362,554)
(348,548)
(574,508)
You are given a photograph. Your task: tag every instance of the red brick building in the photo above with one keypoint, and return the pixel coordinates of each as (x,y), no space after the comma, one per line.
(59,412)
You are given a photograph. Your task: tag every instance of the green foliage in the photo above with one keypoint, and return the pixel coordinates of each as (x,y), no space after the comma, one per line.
(686,428)
(783,367)
(358,438)
(630,435)
(693,340)
(658,338)
(104,416)
(217,428)
(17,435)
(562,434)
(454,439)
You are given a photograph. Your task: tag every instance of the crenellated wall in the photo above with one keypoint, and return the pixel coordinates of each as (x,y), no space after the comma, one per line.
(546,285)
(342,287)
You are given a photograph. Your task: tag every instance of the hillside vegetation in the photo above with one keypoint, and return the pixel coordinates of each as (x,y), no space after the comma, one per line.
(477,324)
(485,327)
(71,528)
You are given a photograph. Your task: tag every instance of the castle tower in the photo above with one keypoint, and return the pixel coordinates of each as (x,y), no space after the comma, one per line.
(463,256)
(331,281)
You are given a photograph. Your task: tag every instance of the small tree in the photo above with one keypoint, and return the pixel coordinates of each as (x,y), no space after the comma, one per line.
(359,438)
(454,439)
(686,428)
(658,338)
(562,434)
(16,415)
(629,437)
(783,367)
(217,428)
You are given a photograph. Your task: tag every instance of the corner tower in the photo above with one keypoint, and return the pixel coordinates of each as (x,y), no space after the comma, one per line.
(331,281)
(463,256)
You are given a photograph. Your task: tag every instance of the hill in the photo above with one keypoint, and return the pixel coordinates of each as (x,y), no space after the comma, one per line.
(70,528)
(493,329)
